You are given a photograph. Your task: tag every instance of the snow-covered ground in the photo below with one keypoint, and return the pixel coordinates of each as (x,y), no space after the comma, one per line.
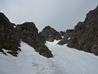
(72,61)
(65,61)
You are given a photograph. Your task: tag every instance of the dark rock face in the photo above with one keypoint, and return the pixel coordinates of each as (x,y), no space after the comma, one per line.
(66,37)
(85,34)
(27,29)
(11,37)
(8,36)
(29,34)
(50,34)
(62,33)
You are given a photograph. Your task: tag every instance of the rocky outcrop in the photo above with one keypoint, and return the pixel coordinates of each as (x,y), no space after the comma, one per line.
(50,34)
(85,34)
(11,36)
(65,37)
(9,40)
(29,34)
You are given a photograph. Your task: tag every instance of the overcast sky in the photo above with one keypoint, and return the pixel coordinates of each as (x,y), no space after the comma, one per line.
(60,14)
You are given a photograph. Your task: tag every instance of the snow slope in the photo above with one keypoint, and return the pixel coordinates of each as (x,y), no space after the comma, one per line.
(65,61)
(72,61)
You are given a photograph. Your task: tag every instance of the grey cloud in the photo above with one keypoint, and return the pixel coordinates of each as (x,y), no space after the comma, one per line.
(60,14)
